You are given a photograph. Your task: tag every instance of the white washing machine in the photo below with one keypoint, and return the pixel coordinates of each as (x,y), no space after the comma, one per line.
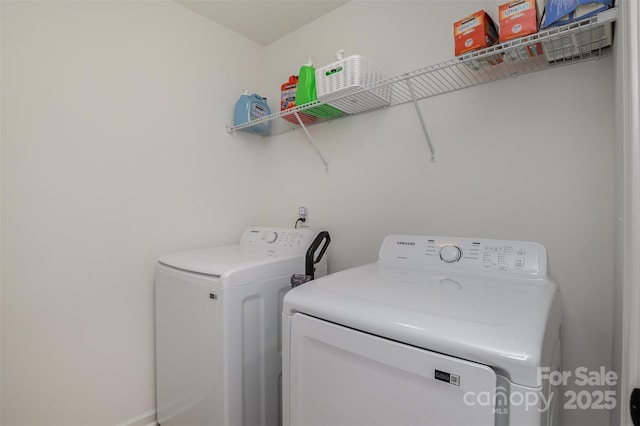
(439,331)
(218,331)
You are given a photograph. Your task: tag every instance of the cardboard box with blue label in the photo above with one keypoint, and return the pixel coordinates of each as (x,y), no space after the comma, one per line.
(561,12)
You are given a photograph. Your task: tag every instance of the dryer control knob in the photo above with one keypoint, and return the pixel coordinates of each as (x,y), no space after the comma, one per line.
(450,253)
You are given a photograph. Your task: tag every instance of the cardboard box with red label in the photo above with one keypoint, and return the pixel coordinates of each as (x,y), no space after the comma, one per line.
(517,18)
(474,32)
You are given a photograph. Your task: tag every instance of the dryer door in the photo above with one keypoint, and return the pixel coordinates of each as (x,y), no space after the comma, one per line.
(340,376)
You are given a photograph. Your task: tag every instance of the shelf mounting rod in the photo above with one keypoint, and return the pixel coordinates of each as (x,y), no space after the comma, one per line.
(424,126)
(313,143)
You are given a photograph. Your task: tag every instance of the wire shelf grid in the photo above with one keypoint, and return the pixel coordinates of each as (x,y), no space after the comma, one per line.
(577,42)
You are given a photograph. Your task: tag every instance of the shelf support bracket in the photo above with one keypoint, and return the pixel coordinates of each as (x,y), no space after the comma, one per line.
(424,126)
(313,143)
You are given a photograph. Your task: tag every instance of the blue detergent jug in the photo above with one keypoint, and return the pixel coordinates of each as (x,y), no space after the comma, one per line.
(249,108)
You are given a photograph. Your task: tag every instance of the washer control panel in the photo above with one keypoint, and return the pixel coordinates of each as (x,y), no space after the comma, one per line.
(450,253)
(286,240)
(468,254)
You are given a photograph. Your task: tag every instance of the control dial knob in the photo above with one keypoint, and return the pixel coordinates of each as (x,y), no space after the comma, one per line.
(450,253)
(271,237)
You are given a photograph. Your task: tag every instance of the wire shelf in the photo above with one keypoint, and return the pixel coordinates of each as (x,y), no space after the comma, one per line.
(579,41)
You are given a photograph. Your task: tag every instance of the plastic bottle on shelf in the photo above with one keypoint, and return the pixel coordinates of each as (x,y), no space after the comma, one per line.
(288,93)
(288,101)
(249,108)
(306,92)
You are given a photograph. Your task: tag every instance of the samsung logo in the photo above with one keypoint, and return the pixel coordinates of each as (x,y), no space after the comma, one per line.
(405,243)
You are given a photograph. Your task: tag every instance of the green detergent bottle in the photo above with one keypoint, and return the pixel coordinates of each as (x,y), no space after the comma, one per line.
(306,92)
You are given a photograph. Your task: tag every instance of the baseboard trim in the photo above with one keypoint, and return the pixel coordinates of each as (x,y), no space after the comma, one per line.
(148,418)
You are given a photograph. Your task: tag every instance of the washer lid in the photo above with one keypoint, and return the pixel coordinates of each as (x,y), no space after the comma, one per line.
(218,260)
(258,246)
(503,322)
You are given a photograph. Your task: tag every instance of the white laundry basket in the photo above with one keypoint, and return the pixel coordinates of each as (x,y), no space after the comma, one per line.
(350,74)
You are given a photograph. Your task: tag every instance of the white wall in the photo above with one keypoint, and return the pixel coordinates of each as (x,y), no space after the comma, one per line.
(626,332)
(0,222)
(529,158)
(620,231)
(113,153)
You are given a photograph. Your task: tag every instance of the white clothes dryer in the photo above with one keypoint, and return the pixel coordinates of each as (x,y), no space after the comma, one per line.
(218,331)
(439,331)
